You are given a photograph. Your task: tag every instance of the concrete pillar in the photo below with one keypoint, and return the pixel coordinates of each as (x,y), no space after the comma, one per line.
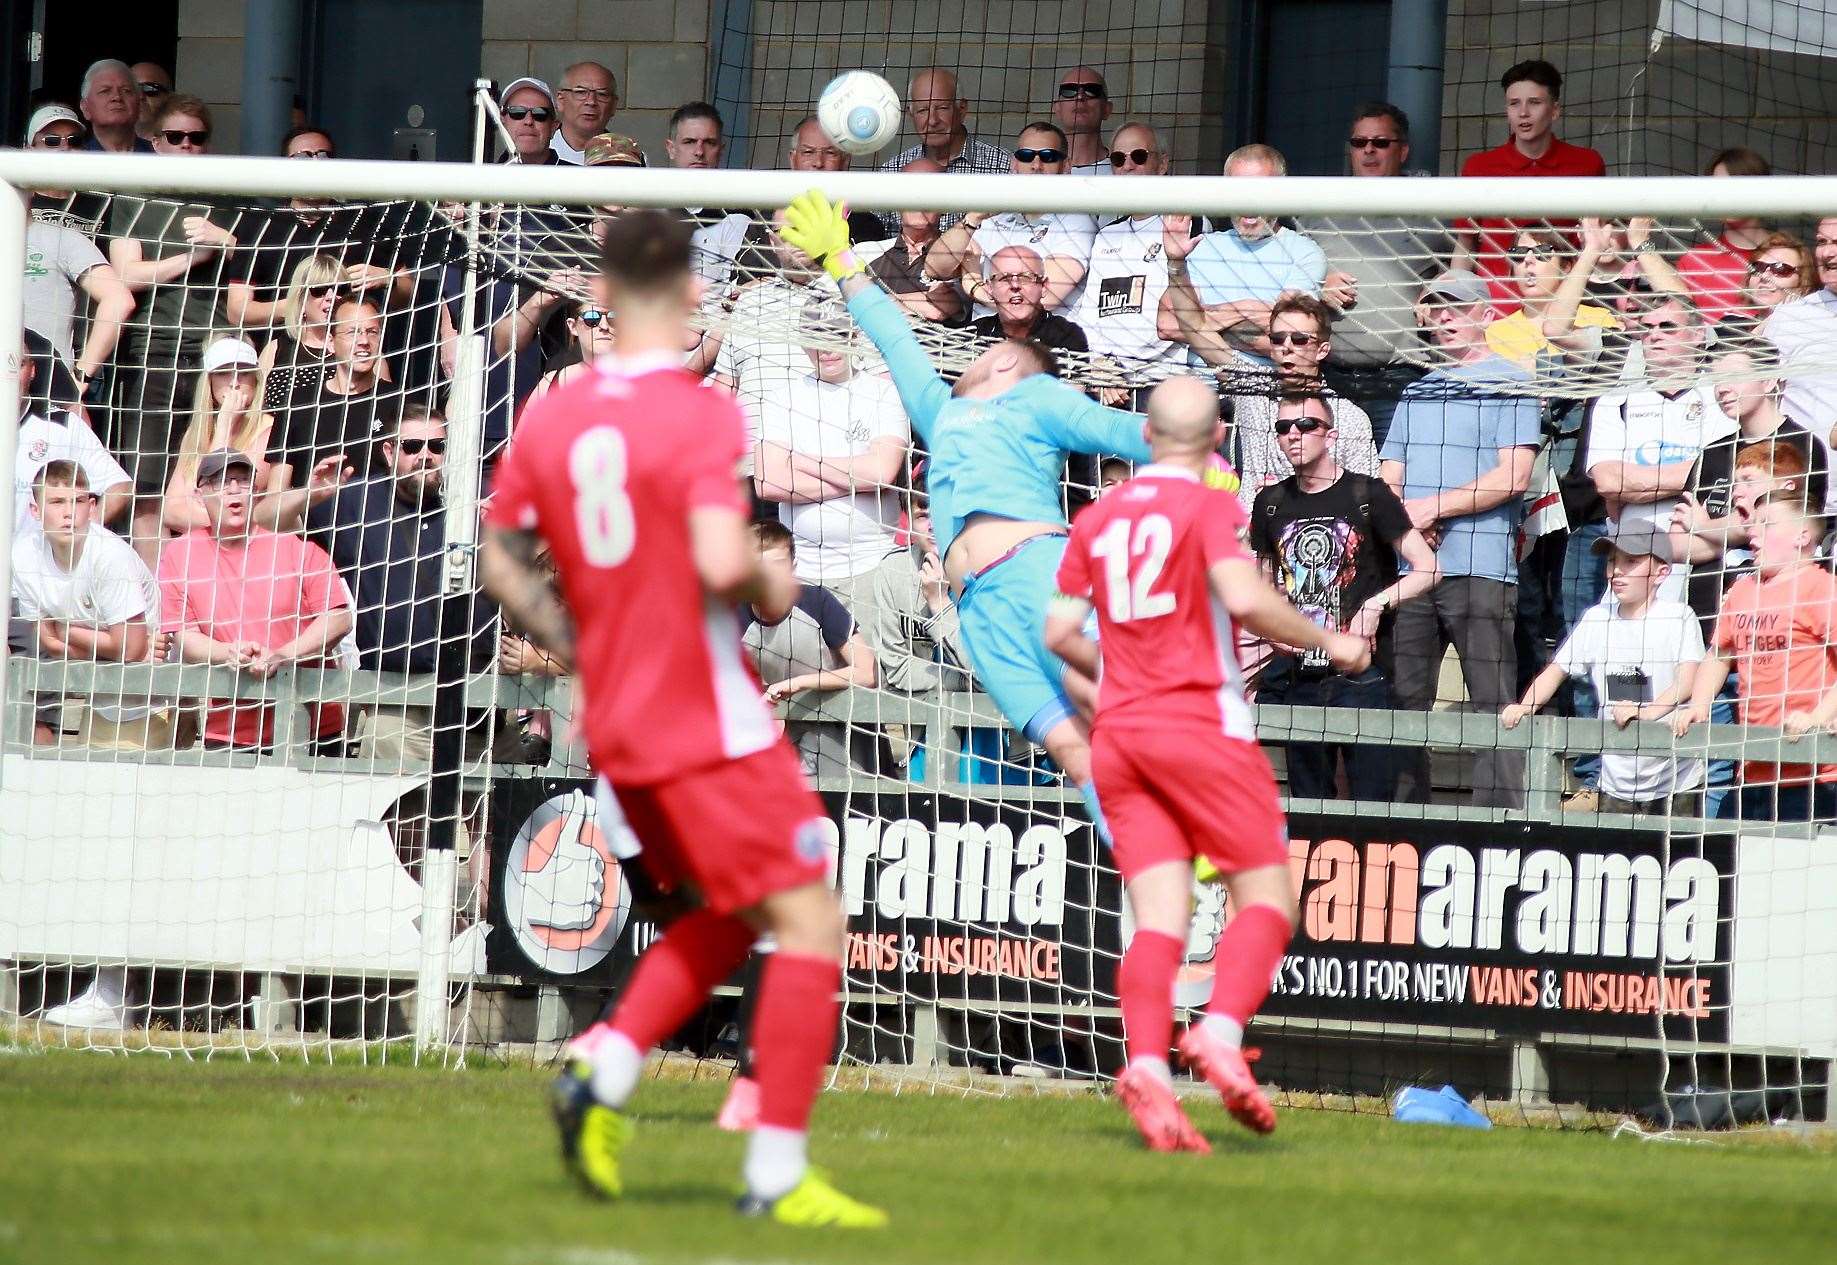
(1419,30)
(270,72)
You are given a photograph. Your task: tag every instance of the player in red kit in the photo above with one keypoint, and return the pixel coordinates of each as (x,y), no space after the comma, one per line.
(629,473)
(1174,751)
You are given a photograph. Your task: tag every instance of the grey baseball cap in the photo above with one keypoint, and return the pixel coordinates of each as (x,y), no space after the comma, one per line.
(1637,538)
(1460,285)
(214,465)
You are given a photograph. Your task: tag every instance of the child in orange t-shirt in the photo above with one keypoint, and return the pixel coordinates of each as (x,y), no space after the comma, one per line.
(1778,633)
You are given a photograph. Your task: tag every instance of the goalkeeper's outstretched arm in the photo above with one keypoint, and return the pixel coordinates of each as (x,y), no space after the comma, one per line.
(819,228)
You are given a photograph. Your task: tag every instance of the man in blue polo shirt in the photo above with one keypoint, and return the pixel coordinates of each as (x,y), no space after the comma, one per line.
(1459,453)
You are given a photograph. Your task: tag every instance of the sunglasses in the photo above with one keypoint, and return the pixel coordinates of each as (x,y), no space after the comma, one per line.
(1044,155)
(413,446)
(323,292)
(540,113)
(1537,251)
(1775,268)
(54,141)
(1139,157)
(173,136)
(1306,425)
(1288,337)
(1081,92)
(155,89)
(591,317)
(1370,142)
(311,153)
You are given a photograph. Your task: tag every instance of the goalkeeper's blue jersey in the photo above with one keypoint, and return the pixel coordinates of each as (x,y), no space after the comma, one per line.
(1002,456)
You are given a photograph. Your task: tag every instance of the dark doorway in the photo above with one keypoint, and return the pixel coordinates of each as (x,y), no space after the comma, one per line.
(147,30)
(372,64)
(1320,60)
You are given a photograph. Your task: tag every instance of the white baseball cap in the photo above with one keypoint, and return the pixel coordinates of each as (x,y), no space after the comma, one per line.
(527,81)
(45,115)
(230,353)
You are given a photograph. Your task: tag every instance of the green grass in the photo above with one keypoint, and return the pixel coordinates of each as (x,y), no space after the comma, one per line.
(144,1159)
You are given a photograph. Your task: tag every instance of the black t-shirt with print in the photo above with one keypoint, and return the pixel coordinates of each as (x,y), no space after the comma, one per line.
(1712,479)
(1332,550)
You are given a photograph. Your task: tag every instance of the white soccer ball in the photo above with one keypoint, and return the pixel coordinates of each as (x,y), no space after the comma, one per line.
(860,111)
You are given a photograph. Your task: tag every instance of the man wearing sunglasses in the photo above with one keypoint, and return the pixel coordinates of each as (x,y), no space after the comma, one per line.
(1331,539)
(57,129)
(1127,276)
(1063,241)
(1081,107)
(530,117)
(155,84)
(110,102)
(939,113)
(385,534)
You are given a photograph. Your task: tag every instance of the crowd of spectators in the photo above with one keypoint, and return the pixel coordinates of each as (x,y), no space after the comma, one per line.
(1534,444)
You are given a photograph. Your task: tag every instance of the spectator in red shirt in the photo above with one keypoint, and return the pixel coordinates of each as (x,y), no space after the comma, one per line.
(1715,272)
(1533,104)
(241,596)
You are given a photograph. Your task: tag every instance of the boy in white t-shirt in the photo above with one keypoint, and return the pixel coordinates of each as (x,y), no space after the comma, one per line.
(87,595)
(1640,652)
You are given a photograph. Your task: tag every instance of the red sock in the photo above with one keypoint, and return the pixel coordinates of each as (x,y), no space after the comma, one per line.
(1145,988)
(1248,953)
(794,1029)
(676,974)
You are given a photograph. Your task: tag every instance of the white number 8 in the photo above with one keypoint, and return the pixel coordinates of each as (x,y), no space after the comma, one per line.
(602,510)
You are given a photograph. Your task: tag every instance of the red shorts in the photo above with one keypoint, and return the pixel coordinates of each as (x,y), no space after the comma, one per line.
(1174,794)
(736,832)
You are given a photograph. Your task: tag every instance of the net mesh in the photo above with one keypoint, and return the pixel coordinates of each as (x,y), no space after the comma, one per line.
(200,877)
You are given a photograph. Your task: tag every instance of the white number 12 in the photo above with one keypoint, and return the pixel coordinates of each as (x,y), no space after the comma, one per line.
(1132,596)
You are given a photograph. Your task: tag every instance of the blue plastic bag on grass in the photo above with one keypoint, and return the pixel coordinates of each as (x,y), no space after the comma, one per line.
(1436,1106)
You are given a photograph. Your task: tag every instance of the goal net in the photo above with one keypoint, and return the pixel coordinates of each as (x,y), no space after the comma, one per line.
(277,777)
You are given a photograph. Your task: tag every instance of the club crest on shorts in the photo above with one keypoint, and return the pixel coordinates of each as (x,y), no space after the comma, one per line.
(565,896)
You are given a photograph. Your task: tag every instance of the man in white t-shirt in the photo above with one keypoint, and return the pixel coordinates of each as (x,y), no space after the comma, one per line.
(832,443)
(61,436)
(1643,443)
(1063,241)
(60,262)
(1128,273)
(90,597)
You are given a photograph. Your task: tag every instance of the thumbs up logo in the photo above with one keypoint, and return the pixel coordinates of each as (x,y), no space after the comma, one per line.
(565,896)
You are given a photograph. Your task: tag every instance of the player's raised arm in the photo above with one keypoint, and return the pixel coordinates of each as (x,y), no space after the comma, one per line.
(1078,423)
(819,228)
(1256,605)
(730,566)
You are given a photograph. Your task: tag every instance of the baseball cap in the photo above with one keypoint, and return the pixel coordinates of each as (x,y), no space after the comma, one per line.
(214,465)
(45,115)
(1638,537)
(527,81)
(1460,285)
(613,149)
(230,353)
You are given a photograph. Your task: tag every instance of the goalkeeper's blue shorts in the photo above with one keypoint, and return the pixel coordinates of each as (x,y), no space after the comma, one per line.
(1003,616)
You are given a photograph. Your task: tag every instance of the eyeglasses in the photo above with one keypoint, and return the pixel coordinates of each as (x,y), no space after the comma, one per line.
(54,141)
(1139,157)
(1044,155)
(412,446)
(589,94)
(174,136)
(591,317)
(1017,278)
(1306,425)
(311,153)
(1370,142)
(540,113)
(1286,337)
(1774,268)
(1082,92)
(155,89)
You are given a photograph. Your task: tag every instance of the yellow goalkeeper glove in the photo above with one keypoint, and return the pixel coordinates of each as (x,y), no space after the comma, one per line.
(819,228)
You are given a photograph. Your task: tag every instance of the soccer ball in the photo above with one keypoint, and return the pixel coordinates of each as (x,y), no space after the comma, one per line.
(860,111)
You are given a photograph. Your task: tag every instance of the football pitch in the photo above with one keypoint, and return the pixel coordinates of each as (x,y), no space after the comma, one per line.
(145,1159)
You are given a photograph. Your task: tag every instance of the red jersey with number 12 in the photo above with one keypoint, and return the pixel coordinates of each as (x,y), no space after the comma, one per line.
(606,470)
(1141,556)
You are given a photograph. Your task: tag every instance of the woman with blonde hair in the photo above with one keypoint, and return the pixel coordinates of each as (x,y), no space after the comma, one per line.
(225,414)
(300,348)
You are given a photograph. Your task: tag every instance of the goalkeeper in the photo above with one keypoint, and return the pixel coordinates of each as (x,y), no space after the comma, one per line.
(998,444)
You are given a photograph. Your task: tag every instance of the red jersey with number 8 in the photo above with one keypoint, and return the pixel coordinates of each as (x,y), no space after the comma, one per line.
(1141,555)
(606,469)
